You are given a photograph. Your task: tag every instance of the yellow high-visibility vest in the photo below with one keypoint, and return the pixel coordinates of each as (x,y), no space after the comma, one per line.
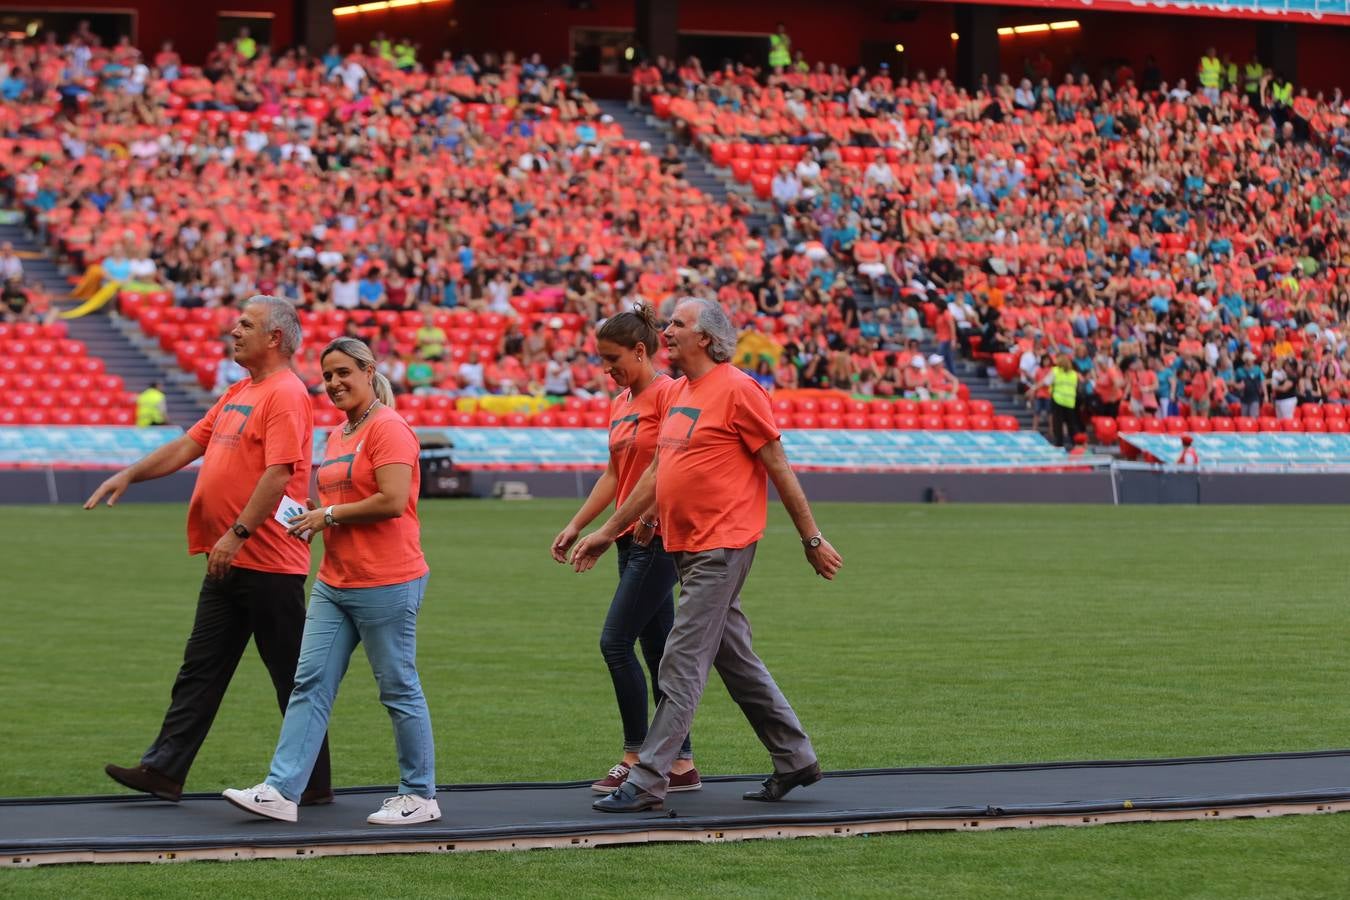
(1252,80)
(780,50)
(1282,94)
(1064,387)
(148,408)
(1211,70)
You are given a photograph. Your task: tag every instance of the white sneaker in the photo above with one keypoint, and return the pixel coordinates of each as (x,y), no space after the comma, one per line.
(405,809)
(263,800)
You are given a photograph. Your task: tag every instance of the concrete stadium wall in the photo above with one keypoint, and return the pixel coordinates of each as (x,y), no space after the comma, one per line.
(1134,487)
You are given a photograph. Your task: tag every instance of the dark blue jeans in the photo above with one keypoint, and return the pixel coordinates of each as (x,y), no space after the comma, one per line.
(641,612)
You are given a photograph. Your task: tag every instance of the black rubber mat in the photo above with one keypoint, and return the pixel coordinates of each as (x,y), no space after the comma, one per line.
(480,812)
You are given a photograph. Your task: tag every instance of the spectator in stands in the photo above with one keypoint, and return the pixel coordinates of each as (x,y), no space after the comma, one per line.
(1284,387)
(255,447)
(430,338)
(228,371)
(11,267)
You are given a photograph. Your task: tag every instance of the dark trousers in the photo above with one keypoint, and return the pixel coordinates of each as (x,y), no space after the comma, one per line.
(642,611)
(1062,418)
(246,603)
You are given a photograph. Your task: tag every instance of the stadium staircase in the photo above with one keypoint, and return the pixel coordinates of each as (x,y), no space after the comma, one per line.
(103,338)
(698,171)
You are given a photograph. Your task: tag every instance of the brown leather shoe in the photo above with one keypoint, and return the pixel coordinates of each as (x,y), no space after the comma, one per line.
(316,797)
(776,786)
(147,781)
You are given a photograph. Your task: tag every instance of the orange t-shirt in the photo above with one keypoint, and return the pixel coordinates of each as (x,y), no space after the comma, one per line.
(370,554)
(634,424)
(252,426)
(711,489)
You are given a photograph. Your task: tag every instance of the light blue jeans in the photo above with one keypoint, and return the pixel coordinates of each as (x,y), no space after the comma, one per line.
(384,619)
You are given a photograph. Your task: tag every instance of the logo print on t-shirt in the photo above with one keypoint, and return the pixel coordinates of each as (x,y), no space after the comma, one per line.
(223,438)
(618,439)
(341,484)
(243,410)
(676,441)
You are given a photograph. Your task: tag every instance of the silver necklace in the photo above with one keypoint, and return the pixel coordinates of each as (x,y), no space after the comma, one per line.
(348,429)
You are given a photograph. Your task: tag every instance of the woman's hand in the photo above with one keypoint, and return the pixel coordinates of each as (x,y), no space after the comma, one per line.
(311,522)
(643,534)
(563,542)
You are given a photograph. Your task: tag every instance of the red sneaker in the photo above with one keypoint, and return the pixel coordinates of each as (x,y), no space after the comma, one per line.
(614,780)
(687,781)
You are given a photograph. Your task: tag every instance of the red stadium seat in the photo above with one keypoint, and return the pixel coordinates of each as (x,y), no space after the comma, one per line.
(855,420)
(1222,425)
(806,420)
(880,422)
(1291,425)
(1310,411)
(1198,424)
(1314,425)
(1105,429)
(1268,423)
(1174,425)
(931,422)
(1246,425)
(1006,423)
(1337,426)
(1153,425)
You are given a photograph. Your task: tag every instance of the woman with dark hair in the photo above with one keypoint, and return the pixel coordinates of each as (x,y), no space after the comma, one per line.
(643,607)
(368,591)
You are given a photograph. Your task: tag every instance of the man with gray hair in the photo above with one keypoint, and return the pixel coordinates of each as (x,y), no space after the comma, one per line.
(255,445)
(717,450)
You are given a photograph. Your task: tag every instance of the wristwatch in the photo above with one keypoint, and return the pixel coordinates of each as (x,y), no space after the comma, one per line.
(813,541)
(240,531)
(328,519)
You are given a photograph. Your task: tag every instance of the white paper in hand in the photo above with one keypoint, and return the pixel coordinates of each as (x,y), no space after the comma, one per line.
(288,509)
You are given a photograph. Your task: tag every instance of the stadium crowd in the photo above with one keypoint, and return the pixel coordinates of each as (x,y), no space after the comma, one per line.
(1185,250)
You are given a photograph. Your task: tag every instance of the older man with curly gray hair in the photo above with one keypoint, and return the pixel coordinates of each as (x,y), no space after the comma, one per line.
(717,450)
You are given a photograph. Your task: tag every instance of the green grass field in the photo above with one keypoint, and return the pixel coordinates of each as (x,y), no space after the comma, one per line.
(955,634)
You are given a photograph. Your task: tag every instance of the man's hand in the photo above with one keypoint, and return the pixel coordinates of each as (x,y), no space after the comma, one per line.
(563,542)
(589,550)
(825,560)
(113,488)
(222,554)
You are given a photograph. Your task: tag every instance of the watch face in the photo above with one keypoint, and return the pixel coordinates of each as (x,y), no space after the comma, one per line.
(814,542)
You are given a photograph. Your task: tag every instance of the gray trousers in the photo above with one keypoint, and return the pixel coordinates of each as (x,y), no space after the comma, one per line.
(710,630)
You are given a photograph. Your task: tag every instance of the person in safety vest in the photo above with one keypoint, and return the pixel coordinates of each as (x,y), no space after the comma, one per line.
(1210,75)
(1252,73)
(245,45)
(1063,381)
(151,407)
(780,49)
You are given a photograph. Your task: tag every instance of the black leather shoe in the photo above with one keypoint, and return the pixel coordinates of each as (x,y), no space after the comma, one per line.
(777,785)
(628,798)
(316,797)
(147,781)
